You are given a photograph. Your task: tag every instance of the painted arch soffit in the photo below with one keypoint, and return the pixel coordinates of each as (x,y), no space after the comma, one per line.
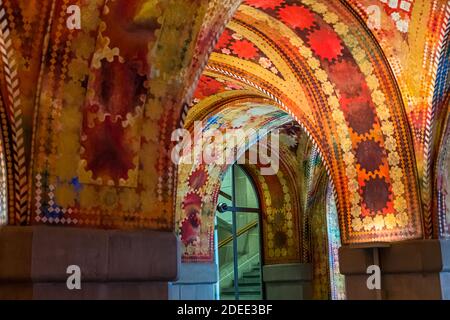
(122,77)
(316,60)
(414,35)
(199,181)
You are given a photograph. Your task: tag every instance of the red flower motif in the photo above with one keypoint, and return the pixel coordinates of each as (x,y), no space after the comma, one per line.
(376,194)
(265,4)
(192,204)
(207,86)
(296,17)
(224,40)
(108,151)
(244,49)
(190,229)
(326,44)
(118,87)
(198,179)
(348,79)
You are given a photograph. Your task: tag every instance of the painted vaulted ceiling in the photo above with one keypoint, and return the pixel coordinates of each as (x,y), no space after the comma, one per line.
(87,115)
(348,72)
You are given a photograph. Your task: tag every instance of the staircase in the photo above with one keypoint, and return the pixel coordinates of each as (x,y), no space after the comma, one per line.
(249,286)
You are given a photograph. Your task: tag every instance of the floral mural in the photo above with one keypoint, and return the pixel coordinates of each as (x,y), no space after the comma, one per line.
(87,116)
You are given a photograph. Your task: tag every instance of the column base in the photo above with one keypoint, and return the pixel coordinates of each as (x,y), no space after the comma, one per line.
(89,291)
(113,264)
(197,281)
(288,281)
(410,270)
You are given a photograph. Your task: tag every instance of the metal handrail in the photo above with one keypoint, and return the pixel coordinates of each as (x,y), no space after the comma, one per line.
(240,233)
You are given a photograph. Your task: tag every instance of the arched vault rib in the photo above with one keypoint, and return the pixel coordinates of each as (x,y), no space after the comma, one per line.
(414,37)
(350,105)
(199,180)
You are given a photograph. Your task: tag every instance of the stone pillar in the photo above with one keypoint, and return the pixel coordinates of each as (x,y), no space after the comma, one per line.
(418,269)
(114,264)
(288,281)
(197,281)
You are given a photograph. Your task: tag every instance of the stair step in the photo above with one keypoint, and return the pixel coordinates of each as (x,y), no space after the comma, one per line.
(249,281)
(241,297)
(250,297)
(252,274)
(254,290)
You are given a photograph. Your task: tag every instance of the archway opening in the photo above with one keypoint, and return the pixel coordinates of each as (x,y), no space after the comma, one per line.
(238,237)
(288,233)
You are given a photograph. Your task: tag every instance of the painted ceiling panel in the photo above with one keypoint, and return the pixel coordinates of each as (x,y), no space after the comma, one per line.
(196,202)
(414,37)
(318,62)
(88,114)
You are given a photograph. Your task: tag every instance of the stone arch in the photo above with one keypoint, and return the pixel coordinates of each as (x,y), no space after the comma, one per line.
(419,30)
(199,182)
(281,216)
(307,185)
(124,74)
(346,97)
(305,228)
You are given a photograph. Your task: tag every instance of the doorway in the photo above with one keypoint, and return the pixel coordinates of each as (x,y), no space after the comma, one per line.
(239,239)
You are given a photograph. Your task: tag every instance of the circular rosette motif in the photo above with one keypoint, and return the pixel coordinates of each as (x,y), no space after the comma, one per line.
(326,44)
(376,195)
(190,229)
(198,178)
(192,203)
(190,226)
(265,4)
(244,49)
(297,17)
(370,155)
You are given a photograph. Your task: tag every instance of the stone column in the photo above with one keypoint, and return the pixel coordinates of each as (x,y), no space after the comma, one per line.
(113,264)
(197,281)
(418,269)
(288,281)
